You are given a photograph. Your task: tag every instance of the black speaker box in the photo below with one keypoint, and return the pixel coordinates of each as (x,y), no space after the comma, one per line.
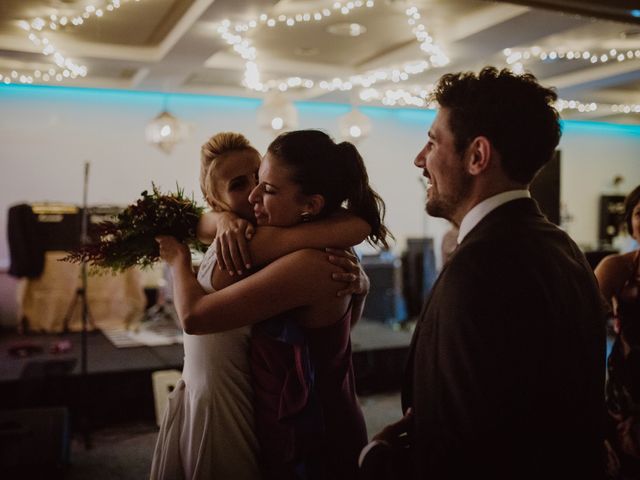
(419,273)
(384,301)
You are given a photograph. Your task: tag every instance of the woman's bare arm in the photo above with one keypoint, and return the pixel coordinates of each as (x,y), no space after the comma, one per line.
(211,221)
(269,243)
(300,279)
(355,276)
(231,235)
(231,232)
(186,289)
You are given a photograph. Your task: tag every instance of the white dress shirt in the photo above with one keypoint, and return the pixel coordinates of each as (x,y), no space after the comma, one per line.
(481,210)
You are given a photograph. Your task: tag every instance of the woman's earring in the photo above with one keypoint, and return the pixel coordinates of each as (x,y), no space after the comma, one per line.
(305,217)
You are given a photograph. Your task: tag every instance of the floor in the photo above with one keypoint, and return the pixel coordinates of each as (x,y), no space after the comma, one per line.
(124,452)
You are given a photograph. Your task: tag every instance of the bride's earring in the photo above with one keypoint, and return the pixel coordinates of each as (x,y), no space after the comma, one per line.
(305,216)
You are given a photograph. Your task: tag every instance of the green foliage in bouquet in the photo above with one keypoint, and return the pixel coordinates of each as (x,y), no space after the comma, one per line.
(130,239)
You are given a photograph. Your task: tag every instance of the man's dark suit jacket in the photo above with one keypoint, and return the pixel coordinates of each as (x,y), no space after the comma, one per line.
(507,363)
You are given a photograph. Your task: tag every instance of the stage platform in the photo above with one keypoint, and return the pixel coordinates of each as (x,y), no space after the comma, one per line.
(118,386)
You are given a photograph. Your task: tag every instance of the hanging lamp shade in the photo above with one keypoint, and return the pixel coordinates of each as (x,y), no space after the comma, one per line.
(165,131)
(354,126)
(277,113)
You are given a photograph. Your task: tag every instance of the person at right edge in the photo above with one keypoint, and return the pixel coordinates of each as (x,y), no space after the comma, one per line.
(506,369)
(619,279)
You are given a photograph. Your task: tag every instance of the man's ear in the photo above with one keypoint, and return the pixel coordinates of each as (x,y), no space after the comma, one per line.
(314,204)
(479,154)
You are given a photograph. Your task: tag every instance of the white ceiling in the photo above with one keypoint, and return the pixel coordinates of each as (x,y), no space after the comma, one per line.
(175,46)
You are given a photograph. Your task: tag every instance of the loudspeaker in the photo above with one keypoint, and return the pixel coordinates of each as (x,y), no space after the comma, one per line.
(34,441)
(59,225)
(419,273)
(384,301)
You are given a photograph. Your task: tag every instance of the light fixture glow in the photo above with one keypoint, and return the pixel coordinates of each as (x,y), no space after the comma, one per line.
(277,113)
(277,123)
(354,126)
(165,131)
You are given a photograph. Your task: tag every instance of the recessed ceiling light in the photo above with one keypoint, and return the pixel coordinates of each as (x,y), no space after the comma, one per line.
(347,29)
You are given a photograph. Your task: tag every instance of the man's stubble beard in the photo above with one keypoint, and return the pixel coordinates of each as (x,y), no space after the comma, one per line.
(447,207)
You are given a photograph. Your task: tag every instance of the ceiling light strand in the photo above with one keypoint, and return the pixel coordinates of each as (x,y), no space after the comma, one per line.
(233,34)
(419,96)
(413,96)
(35,28)
(516,58)
(292,20)
(513,56)
(562,104)
(625,108)
(437,57)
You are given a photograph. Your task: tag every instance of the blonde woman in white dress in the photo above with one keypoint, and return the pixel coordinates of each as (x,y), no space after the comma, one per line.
(207,431)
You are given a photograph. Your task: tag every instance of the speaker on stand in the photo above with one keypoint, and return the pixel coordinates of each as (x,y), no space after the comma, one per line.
(419,273)
(385,302)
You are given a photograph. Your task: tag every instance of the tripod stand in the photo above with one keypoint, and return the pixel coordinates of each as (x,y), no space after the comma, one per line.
(79,296)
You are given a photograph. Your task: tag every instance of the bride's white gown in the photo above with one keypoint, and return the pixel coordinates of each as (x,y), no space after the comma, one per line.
(207,431)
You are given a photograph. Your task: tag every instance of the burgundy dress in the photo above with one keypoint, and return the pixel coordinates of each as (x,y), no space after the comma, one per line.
(308,420)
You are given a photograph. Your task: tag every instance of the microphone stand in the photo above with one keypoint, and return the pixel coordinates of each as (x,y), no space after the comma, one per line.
(84,239)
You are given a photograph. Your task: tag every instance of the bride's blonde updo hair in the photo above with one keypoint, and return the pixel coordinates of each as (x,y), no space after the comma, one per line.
(213,152)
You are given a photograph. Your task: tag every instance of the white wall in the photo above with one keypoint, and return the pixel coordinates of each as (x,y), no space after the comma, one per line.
(47,133)
(592,155)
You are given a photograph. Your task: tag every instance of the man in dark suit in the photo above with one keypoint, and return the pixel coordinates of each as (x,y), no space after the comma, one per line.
(506,369)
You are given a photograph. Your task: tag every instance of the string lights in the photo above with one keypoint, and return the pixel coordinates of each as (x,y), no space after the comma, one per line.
(418,96)
(562,104)
(233,34)
(626,108)
(414,96)
(35,29)
(395,78)
(514,56)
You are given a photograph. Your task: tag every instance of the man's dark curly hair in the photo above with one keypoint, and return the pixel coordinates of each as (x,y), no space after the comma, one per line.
(513,111)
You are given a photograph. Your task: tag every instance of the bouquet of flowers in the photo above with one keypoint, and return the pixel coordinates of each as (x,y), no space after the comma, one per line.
(130,239)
